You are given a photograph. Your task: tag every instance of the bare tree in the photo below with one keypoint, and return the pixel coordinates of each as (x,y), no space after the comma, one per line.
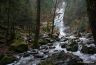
(36,38)
(54,17)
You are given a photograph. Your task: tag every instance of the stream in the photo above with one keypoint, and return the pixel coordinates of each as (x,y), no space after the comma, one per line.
(35,56)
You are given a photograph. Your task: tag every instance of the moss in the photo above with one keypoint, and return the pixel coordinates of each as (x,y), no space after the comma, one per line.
(18,42)
(6,59)
(1,56)
(42,42)
(73,46)
(19,48)
(88,50)
(47,62)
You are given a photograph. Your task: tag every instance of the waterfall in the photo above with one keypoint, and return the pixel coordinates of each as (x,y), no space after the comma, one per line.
(58,21)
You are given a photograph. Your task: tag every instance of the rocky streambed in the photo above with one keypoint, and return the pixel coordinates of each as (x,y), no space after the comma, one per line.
(69,50)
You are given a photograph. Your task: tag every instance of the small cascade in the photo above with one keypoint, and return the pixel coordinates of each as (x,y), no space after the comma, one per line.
(59,23)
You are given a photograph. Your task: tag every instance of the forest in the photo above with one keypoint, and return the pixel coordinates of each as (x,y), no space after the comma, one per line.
(47,32)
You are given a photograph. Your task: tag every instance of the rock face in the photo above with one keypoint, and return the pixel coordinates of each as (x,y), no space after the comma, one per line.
(62,59)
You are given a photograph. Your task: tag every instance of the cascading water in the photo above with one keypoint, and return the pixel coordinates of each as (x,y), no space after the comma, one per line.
(59,24)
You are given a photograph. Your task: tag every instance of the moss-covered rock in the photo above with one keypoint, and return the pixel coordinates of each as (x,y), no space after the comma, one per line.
(19,48)
(6,59)
(88,50)
(72,46)
(47,62)
(62,59)
(43,41)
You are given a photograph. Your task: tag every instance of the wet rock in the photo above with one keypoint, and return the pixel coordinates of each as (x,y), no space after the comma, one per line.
(50,44)
(72,46)
(62,58)
(59,63)
(45,36)
(75,61)
(88,50)
(63,39)
(39,55)
(57,39)
(89,35)
(63,45)
(78,34)
(56,51)
(52,47)
(34,51)
(55,36)
(49,40)
(43,42)
(26,54)
(46,51)
(91,41)
(84,40)
(44,47)
(46,56)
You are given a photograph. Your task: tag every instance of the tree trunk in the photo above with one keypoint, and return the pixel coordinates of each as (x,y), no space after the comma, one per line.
(36,39)
(91,4)
(8,23)
(54,18)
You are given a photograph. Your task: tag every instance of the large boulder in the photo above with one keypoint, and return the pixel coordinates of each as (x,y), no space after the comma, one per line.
(72,46)
(63,39)
(43,42)
(44,47)
(63,45)
(89,35)
(62,58)
(50,44)
(88,50)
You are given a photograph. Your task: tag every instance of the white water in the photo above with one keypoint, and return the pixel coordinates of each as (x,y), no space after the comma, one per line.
(87,58)
(59,23)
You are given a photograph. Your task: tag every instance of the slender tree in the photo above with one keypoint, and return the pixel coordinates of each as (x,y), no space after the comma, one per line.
(8,22)
(36,38)
(54,17)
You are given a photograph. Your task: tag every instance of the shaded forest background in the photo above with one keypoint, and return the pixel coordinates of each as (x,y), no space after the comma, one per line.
(18,18)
